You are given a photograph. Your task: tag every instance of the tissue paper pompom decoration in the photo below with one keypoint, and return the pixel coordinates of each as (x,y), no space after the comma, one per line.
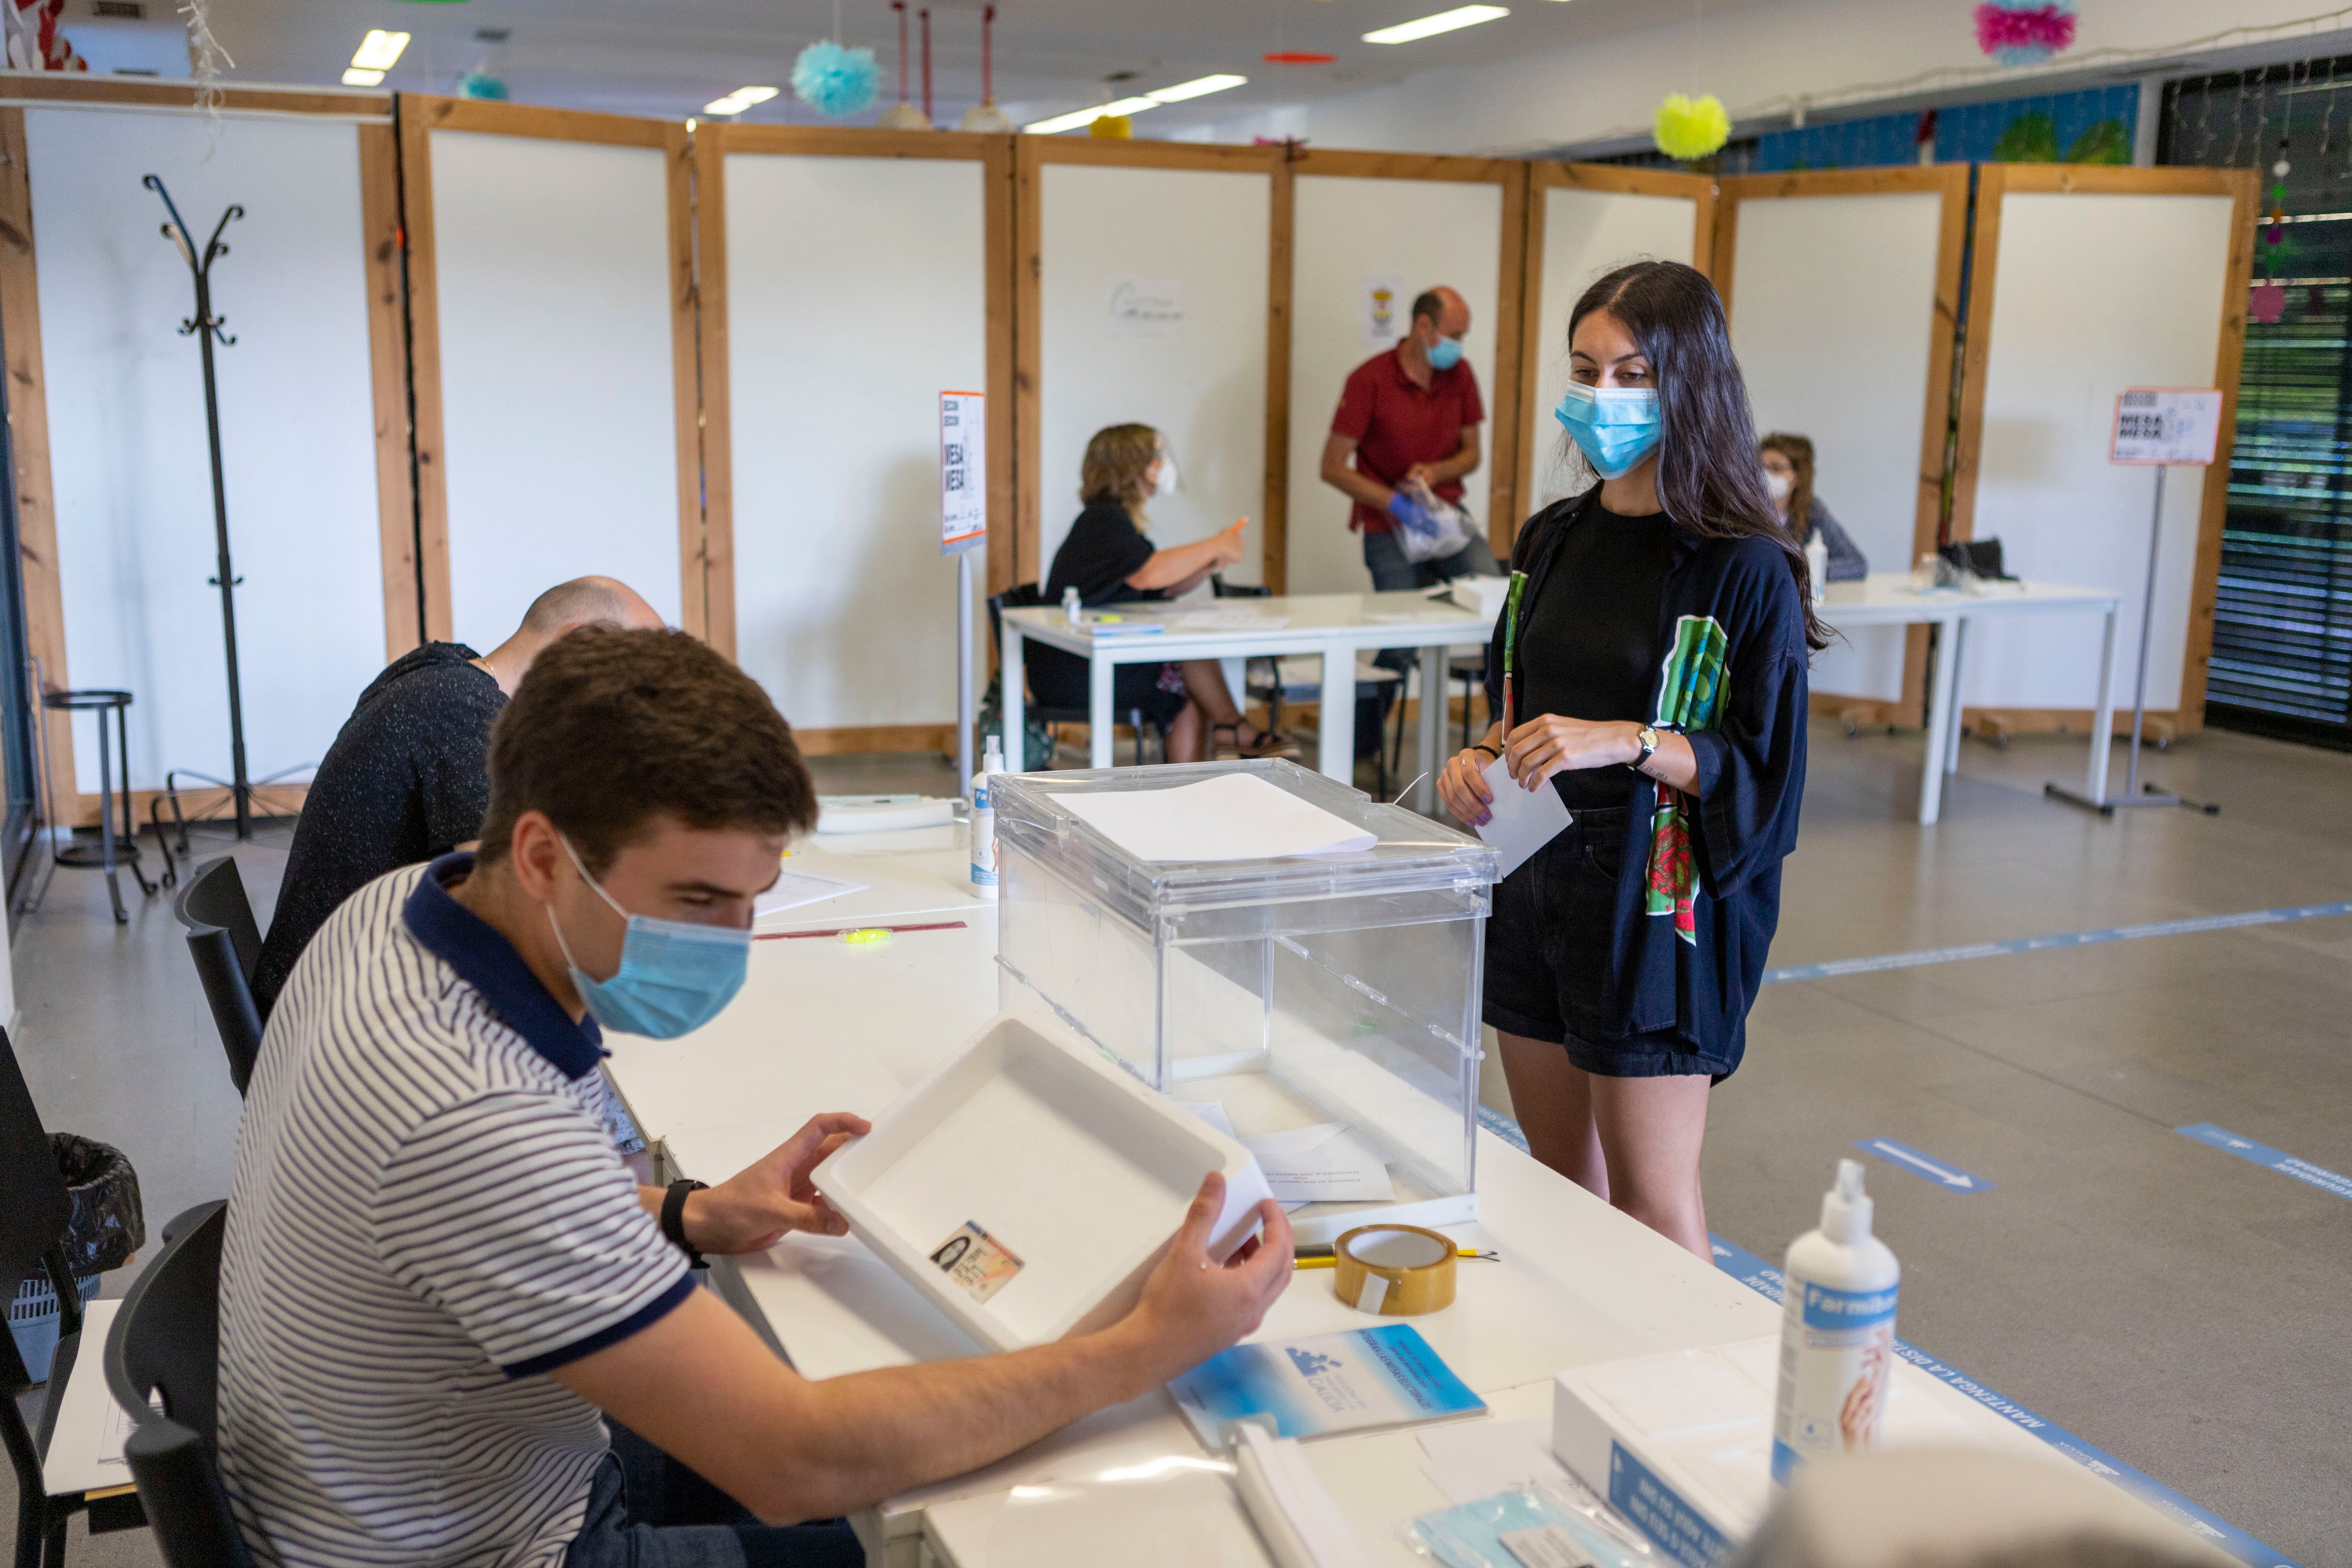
(1110,127)
(834,81)
(2024,32)
(1692,128)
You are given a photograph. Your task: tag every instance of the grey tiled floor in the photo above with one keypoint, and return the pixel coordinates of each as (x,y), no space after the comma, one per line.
(2183,1310)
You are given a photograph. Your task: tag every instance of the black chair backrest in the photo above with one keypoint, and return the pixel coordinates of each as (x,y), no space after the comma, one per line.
(225,943)
(1020,597)
(214,895)
(166,1335)
(1225,590)
(179,1491)
(34,1211)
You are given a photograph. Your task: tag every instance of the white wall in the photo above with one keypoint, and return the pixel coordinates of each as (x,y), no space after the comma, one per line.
(835,422)
(1344,231)
(128,464)
(2094,293)
(558,414)
(1203,386)
(1834,318)
(1755,58)
(1586,233)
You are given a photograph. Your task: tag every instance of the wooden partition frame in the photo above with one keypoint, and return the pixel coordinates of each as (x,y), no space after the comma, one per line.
(712,145)
(20,319)
(2242,186)
(1542,177)
(419,117)
(1951,182)
(1503,416)
(1031,154)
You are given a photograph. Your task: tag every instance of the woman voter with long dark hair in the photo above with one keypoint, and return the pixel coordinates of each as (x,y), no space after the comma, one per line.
(1658,655)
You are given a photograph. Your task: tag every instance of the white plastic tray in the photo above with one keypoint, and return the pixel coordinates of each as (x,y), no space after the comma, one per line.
(1055,1157)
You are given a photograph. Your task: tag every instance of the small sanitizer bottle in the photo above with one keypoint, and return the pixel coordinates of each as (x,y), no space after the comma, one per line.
(1837,1333)
(984,822)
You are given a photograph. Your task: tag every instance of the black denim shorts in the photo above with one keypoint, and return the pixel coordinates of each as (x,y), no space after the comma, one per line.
(1549,946)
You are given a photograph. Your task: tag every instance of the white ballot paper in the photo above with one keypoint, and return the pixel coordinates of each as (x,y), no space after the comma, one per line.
(1234,816)
(1520,821)
(1324,1164)
(794,888)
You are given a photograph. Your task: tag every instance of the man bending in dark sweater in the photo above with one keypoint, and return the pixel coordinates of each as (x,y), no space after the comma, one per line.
(405,780)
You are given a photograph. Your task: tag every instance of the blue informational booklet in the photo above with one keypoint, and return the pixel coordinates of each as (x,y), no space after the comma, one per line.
(1385,1377)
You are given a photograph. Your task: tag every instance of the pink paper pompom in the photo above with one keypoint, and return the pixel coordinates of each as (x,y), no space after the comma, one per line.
(2025,33)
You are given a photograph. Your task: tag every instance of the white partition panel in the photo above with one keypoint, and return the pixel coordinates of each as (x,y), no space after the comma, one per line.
(2093,292)
(128,471)
(857,292)
(1834,318)
(1586,233)
(1152,307)
(1344,235)
(552,267)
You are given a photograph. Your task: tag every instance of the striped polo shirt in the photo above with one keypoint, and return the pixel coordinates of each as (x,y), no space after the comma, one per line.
(428,1215)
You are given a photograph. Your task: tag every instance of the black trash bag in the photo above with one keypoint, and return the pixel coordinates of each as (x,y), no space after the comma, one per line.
(108,1224)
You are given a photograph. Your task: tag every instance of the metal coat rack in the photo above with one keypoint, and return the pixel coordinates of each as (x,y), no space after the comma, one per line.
(206,327)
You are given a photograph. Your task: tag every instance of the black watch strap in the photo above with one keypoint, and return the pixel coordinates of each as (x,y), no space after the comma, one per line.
(672,1218)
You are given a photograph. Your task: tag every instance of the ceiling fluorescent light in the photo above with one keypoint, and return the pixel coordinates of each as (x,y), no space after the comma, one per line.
(355,76)
(1194,88)
(1079,118)
(378,52)
(1430,26)
(752,94)
(728,105)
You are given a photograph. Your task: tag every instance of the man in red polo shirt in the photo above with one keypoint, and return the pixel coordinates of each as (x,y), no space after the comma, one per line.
(1413,412)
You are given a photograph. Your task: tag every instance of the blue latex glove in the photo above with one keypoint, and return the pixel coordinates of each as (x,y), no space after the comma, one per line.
(1411,515)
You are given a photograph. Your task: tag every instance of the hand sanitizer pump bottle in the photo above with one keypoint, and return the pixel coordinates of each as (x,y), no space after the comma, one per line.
(1817,565)
(984,822)
(1837,1333)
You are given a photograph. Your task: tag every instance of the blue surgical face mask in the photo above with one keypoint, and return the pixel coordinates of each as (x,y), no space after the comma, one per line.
(674,976)
(1446,354)
(1615,425)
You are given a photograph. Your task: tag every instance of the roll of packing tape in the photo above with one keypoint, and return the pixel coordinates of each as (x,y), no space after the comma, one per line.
(1393,1270)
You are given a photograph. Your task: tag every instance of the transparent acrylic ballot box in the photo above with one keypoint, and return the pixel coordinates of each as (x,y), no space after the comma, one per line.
(1300,992)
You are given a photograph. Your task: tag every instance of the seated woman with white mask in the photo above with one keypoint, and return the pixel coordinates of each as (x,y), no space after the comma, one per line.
(1789,475)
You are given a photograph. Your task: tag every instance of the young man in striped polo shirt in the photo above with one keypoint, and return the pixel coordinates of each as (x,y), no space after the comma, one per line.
(438,1273)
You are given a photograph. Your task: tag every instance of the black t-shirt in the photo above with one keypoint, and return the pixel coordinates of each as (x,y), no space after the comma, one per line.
(1103,551)
(406,779)
(1589,645)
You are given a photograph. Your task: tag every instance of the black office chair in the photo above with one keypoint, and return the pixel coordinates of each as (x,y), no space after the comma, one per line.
(1027,596)
(33,1215)
(226,944)
(166,1345)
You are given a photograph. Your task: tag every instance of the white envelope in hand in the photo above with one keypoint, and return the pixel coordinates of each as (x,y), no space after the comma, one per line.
(1520,821)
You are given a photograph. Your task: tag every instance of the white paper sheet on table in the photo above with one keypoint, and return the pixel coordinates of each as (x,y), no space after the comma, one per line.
(1473,1459)
(794,888)
(1234,816)
(1520,821)
(1230,621)
(1324,1164)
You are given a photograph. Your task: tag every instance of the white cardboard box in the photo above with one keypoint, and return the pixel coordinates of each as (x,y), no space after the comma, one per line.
(1680,1444)
(1027,1186)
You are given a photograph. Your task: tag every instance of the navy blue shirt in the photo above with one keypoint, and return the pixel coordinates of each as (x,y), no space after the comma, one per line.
(1691,933)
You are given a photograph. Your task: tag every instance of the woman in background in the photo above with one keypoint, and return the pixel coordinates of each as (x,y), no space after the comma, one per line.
(1111,560)
(1659,687)
(1789,475)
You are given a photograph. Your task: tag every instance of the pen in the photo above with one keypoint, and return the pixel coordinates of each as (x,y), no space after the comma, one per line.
(844,930)
(1321,1256)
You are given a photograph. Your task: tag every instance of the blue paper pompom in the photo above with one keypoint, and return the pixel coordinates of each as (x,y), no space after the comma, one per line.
(834,81)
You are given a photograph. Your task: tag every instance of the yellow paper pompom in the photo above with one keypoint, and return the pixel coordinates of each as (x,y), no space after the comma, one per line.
(1111,127)
(1690,128)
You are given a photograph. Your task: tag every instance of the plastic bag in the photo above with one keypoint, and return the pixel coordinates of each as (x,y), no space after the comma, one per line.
(1528,1527)
(108,1224)
(1430,530)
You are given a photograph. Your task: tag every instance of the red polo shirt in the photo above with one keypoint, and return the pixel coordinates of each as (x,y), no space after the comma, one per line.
(1395,425)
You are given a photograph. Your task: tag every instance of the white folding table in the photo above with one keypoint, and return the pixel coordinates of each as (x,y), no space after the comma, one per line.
(1336,626)
(1889,599)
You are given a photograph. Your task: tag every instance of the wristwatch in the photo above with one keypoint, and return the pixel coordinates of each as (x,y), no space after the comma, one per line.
(672,1220)
(1649,739)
